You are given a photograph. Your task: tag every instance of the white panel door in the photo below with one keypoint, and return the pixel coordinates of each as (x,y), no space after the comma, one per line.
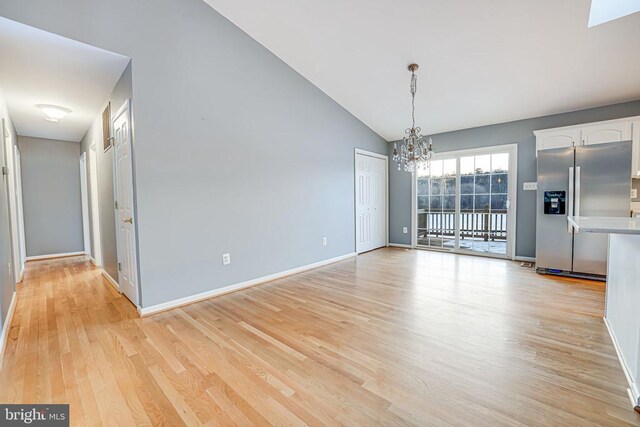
(371,202)
(20,210)
(127,262)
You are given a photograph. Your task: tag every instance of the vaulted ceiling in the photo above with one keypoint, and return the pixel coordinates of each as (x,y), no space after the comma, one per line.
(481,62)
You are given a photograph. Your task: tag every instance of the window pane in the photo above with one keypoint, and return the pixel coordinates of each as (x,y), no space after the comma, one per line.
(466,203)
(423,202)
(483,164)
(436,185)
(449,167)
(436,203)
(423,186)
(449,203)
(466,166)
(449,186)
(500,163)
(422,220)
(481,203)
(466,184)
(499,183)
(482,184)
(436,168)
(422,171)
(499,202)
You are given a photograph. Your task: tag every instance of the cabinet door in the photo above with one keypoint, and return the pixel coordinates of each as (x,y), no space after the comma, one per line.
(606,132)
(635,149)
(560,139)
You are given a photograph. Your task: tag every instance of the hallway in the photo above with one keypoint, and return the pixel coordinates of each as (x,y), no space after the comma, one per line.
(383,338)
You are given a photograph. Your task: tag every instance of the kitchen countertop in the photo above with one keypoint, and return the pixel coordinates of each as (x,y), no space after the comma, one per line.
(605,224)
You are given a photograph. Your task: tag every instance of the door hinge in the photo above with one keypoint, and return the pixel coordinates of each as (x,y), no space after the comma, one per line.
(119,266)
(115,204)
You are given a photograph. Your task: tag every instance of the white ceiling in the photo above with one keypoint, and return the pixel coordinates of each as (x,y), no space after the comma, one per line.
(37,67)
(481,62)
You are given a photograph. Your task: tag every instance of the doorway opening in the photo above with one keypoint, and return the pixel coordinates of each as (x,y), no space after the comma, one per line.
(59,152)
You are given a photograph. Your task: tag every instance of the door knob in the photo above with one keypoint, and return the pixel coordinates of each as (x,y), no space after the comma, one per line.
(129,220)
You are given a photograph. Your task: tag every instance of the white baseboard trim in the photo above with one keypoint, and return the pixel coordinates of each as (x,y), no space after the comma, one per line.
(400,245)
(146,311)
(21,274)
(525,258)
(6,326)
(111,281)
(93,261)
(634,388)
(66,254)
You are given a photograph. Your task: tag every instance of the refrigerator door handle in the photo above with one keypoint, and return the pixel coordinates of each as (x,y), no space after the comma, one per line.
(570,210)
(576,208)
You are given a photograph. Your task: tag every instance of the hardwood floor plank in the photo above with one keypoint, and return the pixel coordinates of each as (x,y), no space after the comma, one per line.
(392,337)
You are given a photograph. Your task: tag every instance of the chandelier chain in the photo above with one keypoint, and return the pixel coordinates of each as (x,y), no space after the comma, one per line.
(414,89)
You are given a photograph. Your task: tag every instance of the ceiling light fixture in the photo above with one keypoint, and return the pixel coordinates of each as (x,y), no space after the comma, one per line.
(53,112)
(414,150)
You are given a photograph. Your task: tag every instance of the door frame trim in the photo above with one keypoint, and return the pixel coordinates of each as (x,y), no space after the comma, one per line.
(355,190)
(126,106)
(512,192)
(84,199)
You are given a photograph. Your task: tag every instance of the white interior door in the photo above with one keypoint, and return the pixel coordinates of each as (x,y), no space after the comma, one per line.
(96,249)
(126,236)
(85,203)
(371,201)
(20,211)
(9,150)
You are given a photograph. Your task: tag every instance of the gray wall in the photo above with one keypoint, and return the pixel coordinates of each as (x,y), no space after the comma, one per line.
(520,132)
(7,284)
(234,151)
(51,196)
(120,93)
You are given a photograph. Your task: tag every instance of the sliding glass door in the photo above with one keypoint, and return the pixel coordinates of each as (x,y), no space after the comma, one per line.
(464,202)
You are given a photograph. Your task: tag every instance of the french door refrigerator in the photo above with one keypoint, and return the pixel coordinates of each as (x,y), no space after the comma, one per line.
(593,180)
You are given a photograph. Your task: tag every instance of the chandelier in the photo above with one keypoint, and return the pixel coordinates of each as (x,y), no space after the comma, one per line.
(414,149)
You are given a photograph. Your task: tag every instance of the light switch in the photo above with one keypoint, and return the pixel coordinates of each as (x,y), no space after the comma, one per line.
(530,186)
(634,193)
(405,230)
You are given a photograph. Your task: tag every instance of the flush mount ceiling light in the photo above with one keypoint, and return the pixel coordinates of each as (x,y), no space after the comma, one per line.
(414,150)
(53,113)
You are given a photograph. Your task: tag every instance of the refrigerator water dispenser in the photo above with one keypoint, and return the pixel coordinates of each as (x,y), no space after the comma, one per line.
(554,202)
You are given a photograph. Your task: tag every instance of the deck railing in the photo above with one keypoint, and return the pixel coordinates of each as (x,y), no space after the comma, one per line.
(486,224)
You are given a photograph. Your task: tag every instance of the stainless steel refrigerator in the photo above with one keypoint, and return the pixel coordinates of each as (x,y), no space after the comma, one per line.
(593,180)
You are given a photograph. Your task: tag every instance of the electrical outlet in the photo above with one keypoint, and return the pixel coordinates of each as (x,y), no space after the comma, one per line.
(405,230)
(324,241)
(226,259)
(634,193)
(530,186)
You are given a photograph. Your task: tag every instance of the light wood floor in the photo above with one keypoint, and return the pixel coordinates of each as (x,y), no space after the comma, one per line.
(392,337)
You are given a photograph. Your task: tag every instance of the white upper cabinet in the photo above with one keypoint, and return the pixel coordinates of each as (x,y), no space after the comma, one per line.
(606,132)
(594,133)
(561,139)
